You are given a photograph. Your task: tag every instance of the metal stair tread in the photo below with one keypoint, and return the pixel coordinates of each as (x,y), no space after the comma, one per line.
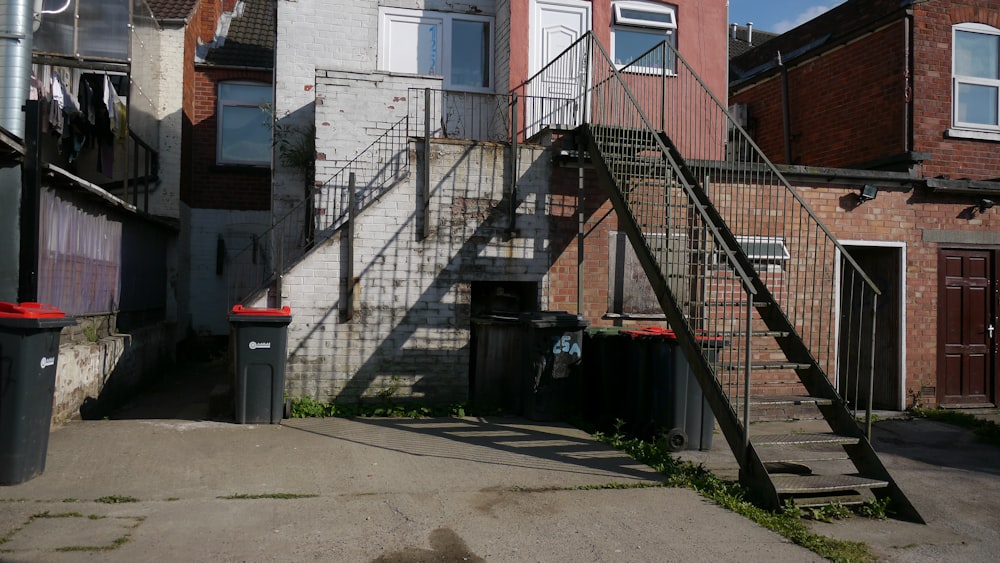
(804,484)
(798,453)
(764,400)
(761,366)
(804,438)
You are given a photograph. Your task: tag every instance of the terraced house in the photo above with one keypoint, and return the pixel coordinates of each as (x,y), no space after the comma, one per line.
(435,162)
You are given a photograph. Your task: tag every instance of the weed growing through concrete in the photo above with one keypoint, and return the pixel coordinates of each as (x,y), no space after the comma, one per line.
(987,430)
(307,407)
(787,523)
(118,542)
(116,499)
(875,508)
(282,496)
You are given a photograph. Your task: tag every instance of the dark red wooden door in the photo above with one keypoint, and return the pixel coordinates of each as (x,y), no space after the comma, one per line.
(966,311)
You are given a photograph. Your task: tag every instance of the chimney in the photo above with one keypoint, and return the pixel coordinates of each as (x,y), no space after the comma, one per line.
(750,33)
(732,30)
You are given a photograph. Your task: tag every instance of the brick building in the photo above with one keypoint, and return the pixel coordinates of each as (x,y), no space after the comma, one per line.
(901,98)
(356,88)
(220,136)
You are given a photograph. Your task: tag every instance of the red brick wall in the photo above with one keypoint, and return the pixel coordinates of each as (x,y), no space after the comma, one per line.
(846,107)
(897,215)
(932,89)
(204,184)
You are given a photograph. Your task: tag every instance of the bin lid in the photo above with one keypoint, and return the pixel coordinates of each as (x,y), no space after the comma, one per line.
(553,319)
(652,332)
(262,311)
(29,310)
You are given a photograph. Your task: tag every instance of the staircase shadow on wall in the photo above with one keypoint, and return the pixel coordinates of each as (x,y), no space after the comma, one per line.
(392,355)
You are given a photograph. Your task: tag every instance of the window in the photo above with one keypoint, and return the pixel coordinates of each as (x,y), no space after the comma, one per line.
(456,47)
(976,77)
(244,133)
(766,253)
(637,28)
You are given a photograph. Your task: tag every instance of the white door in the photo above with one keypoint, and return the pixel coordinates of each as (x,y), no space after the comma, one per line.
(557,97)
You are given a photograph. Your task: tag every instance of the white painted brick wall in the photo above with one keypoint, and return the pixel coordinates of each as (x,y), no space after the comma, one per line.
(209,296)
(410,329)
(165,199)
(342,36)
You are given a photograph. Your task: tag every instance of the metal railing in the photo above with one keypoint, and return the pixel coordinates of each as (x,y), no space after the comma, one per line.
(262,262)
(705,199)
(825,296)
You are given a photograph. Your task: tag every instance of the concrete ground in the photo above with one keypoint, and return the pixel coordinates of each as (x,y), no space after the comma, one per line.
(950,477)
(468,489)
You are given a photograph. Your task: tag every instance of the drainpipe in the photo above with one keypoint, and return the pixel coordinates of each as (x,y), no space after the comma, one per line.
(786,110)
(908,82)
(16,19)
(19,216)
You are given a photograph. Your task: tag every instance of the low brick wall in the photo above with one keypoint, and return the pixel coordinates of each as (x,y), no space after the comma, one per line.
(93,378)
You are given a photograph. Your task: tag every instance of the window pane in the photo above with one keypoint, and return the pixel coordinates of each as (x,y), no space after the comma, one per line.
(470,54)
(652,17)
(250,94)
(245,135)
(630,44)
(415,46)
(976,54)
(977,104)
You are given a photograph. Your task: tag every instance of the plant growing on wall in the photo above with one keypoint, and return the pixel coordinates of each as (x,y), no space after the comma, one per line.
(296,144)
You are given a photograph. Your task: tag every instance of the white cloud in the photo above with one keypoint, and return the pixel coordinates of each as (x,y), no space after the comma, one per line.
(786,24)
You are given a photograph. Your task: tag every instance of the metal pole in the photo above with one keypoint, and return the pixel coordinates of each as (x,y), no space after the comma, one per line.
(580,227)
(746,374)
(514,167)
(425,171)
(346,302)
(871,371)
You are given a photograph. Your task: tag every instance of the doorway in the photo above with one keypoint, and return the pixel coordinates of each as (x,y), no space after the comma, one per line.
(883,263)
(967,307)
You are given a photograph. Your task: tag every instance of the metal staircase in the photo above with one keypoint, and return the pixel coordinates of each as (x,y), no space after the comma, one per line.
(765,302)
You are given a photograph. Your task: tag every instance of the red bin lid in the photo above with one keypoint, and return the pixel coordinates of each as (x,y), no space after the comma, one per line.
(262,311)
(29,310)
(656,331)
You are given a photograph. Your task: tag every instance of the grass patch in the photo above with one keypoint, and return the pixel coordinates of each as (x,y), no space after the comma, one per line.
(116,499)
(281,496)
(787,523)
(172,499)
(70,500)
(987,430)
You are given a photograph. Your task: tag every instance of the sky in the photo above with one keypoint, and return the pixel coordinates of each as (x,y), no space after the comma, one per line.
(777,16)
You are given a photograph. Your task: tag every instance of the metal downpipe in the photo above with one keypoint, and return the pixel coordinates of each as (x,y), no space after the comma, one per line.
(16,19)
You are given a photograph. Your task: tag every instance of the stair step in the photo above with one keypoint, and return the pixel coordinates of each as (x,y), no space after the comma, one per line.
(756,304)
(762,366)
(762,400)
(848,499)
(804,438)
(802,453)
(806,484)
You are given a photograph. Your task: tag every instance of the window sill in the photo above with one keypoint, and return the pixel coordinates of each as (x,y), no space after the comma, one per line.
(259,169)
(645,71)
(972,134)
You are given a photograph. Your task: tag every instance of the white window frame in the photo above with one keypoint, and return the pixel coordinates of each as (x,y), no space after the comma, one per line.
(385,45)
(764,262)
(221,105)
(625,23)
(971,129)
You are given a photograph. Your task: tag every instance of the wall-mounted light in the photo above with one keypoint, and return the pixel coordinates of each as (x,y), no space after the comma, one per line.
(868,193)
(985,204)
